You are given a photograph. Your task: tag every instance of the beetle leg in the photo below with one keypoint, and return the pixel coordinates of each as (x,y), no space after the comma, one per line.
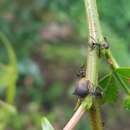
(77,104)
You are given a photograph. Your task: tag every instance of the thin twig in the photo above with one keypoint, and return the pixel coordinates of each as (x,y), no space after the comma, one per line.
(75,118)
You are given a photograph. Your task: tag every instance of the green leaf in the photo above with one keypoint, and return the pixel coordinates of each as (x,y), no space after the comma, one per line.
(109,85)
(126,103)
(7,112)
(8,73)
(111,91)
(7,108)
(124,73)
(46,124)
(104,82)
(9,49)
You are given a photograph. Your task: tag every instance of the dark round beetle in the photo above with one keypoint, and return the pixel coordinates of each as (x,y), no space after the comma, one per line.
(83,88)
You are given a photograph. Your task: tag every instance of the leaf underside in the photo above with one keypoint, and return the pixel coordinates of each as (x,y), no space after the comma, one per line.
(110,89)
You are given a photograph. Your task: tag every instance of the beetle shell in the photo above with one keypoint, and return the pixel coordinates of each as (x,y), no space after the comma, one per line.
(82,88)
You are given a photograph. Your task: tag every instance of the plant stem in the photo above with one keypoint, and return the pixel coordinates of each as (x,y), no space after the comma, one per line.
(75,118)
(95,117)
(111,60)
(92,68)
(92,71)
(113,64)
(92,60)
(93,20)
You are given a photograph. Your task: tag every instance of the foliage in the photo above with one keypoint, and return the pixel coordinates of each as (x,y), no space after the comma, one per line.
(9,72)
(46,124)
(110,88)
(110,85)
(127,103)
(46,67)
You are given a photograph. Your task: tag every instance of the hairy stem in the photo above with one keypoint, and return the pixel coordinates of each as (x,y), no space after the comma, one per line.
(92,59)
(95,117)
(111,60)
(92,68)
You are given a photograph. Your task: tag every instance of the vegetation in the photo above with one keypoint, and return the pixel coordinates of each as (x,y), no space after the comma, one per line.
(42,46)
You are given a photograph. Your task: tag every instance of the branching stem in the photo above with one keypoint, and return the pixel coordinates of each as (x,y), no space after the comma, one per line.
(113,64)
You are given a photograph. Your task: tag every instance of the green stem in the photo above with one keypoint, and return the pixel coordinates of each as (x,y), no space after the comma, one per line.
(111,60)
(93,20)
(92,59)
(11,84)
(95,117)
(10,52)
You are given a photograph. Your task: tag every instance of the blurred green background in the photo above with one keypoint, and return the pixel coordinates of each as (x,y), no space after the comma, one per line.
(49,39)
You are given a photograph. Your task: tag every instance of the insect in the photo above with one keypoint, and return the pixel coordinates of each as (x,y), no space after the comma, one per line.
(104,45)
(98,93)
(82,72)
(83,88)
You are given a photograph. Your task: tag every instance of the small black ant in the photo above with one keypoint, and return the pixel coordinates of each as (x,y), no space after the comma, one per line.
(98,93)
(82,85)
(93,44)
(104,45)
(82,72)
(93,109)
